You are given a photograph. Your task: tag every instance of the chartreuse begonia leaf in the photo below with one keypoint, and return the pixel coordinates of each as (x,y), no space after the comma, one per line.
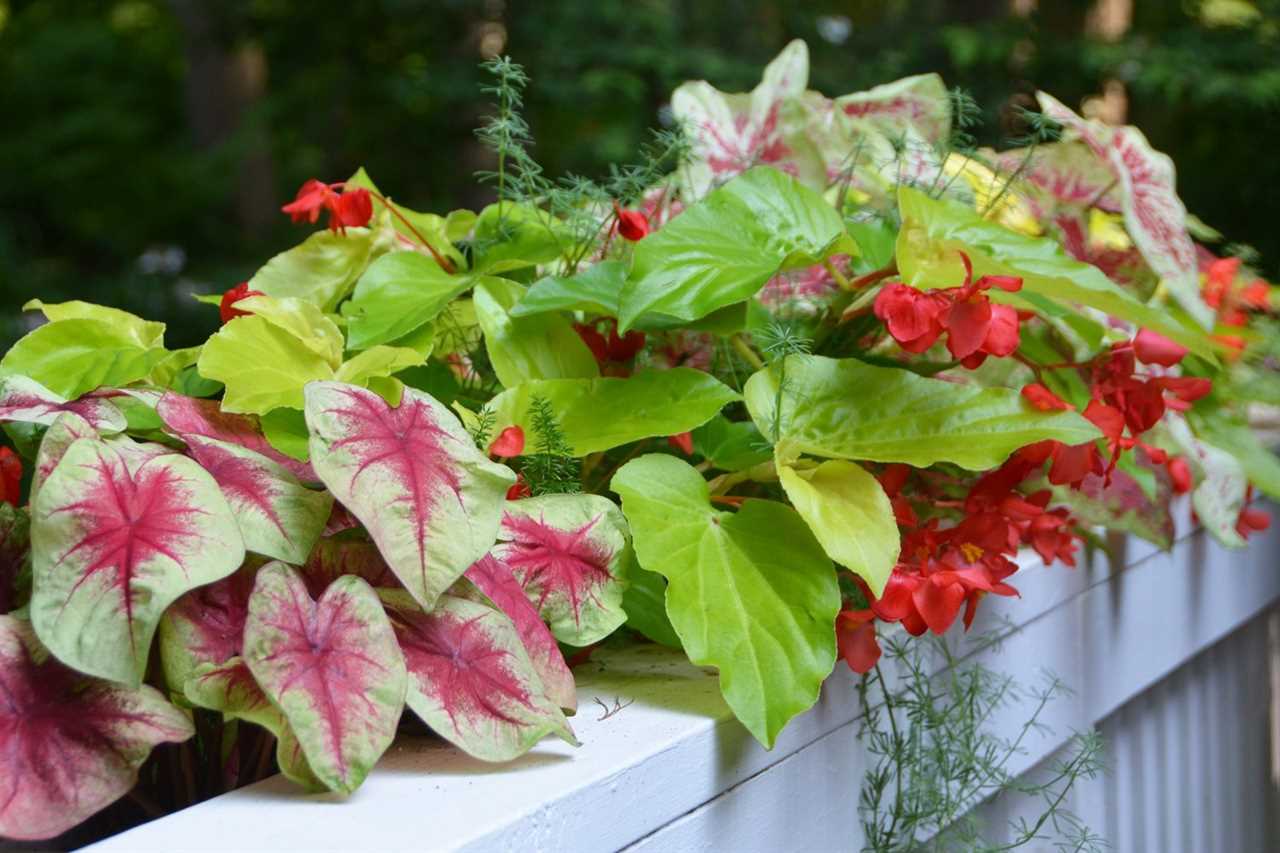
(27,401)
(595,290)
(413,476)
(398,294)
(850,515)
(321,269)
(935,231)
(119,531)
(303,320)
(730,445)
(71,744)
(471,679)
(412,225)
(145,333)
(500,586)
(544,346)
(597,414)
(723,249)
(750,592)
(278,516)
(377,362)
(262,365)
(847,409)
(332,667)
(511,236)
(73,356)
(570,554)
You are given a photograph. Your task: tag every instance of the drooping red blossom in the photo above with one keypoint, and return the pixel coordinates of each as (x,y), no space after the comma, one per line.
(1179,474)
(346,208)
(1252,520)
(1044,399)
(856,640)
(10,476)
(682,442)
(227,309)
(519,489)
(632,224)
(614,353)
(1154,348)
(510,442)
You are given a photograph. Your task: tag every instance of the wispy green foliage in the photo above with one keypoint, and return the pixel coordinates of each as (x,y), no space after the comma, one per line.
(551,468)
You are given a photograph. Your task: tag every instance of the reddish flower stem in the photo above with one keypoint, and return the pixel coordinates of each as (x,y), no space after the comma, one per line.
(445,263)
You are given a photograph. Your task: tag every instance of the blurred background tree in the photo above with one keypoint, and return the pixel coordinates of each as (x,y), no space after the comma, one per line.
(148,144)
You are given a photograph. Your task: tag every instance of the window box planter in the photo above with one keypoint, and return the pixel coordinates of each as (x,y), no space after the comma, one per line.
(671,769)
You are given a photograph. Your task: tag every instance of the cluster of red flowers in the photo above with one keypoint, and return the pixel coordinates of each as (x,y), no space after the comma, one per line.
(613,352)
(10,476)
(974,325)
(346,208)
(1231,302)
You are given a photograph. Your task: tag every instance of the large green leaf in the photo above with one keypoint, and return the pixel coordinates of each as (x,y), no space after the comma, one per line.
(262,365)
(645,603)
(321,269)
(847,409)
(596,290)
(510,236)
(544,346)
(303,320)
(597,414)
(145,333)
(723,249)
(74,356)
(730,445)
(431,226)
(751,592)
(933,230)
(399,293)
(850,515)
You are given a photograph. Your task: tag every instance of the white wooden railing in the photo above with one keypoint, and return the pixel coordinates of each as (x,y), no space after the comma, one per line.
(1170,654)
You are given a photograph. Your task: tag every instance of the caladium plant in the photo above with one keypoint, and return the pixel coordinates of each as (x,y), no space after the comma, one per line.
(803,372)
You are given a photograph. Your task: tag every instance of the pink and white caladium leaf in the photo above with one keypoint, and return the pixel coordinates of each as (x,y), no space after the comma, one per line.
(66,430)
(118,534)
(69,745)
(920,103)
(1066,178)
(25,400)
(332,667)
(470,678)
(413,476)
(731,133)
(497,582)
(278,516)
(569,553)
(185,416)
(15,556)
(1154,216)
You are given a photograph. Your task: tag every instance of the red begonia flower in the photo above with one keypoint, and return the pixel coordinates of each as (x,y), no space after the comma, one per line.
(856,640)
(1044,399)
(682,442)
(227,309)
(1252,520)
(910,315)
(519,489)
(1153,348)
(510,442)
(613,352)
(350,208)
(632,224)
(1179,474)
(10,476)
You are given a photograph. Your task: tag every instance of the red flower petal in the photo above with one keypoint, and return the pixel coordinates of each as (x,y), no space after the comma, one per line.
(227,309)
(910,315)
(632,225)
(967,324)
(1154,348)
(1002,336)
(353,209)
(682,442)
(312,197)
(1180,474)
(510,442)
(1071,464)
(1044,399)
(856,640)
(938,604)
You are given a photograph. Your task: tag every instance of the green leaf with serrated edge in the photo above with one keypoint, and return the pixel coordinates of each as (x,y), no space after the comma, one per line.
(332,667)
(75,356)
(597,414)
(570,553)
(321,269)
(846,409)
(750,592)
(72,745)
(470,678)
(544,346)
(118,532)
(850,515)
(1231,433)
(511,236)
(723,249)
(935,231)
(146,334)
(302,319)
(730,445)
(262,366)
(646,604)
(595,290)
(25,400)
(278,516)
(286,431)
(399,293)
(413,476)
(1221,483)
(431,226)
(168,369)
(377,363)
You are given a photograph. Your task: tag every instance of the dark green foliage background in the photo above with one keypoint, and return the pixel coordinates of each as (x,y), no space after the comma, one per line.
(118,138)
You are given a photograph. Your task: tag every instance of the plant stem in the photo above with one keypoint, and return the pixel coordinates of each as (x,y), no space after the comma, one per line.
(744,349)
(445,263)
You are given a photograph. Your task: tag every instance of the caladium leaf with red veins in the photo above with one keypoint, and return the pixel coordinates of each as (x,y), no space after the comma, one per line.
(730,133)
(184,416)
(69,745)
(921,103)
(278,516)
(1154,216)
(470,678)
(429,499)
(569,553)
(1066,177)
(500,586)
(67,429)
(25,400)
(332,668)
(333,557)
(118,534)
(15,555)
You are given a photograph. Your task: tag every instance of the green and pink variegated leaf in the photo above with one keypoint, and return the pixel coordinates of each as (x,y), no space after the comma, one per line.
(69,745)
(118,534)
(1065,176)
(413,476)
(1154,216)
(67,429)
(496,580)
(731,133)
(470,678)
(15,555)
(569,553)
(1221,483)
(1121,503)
(332,667)
(187,416)
(919,103)
(278,516)
(25,400)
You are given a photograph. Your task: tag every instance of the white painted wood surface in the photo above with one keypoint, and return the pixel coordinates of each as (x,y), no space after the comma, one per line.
(672,771)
